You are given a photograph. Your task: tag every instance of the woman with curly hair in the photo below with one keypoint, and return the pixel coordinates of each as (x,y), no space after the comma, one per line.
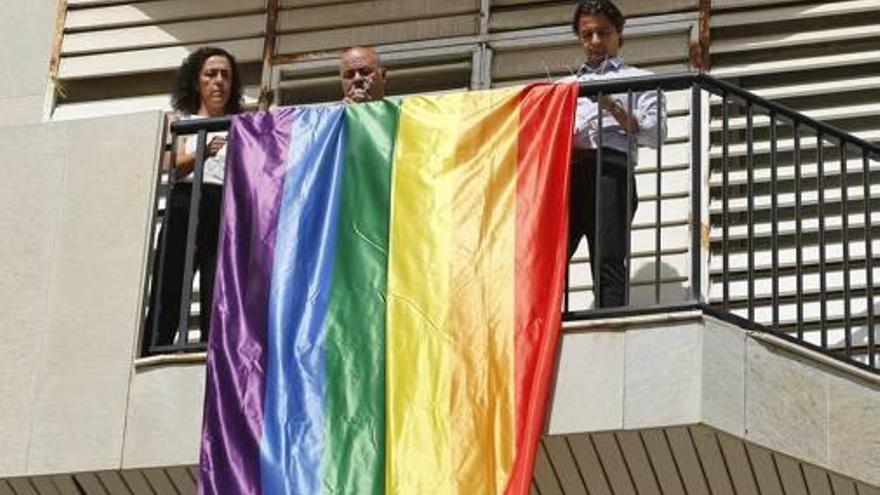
(208,85)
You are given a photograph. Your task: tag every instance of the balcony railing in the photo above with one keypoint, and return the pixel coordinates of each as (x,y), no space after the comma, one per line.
(186,337)
(754,213)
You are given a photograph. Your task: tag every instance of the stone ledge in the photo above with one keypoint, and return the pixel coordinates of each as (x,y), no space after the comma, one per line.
(685,367)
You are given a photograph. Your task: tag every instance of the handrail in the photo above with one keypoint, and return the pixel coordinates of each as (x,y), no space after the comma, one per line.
(192,126)
(684,80)
(680,80)
(708,82)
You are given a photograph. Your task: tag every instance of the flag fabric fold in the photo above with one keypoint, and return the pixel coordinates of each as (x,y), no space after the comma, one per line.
(388,291)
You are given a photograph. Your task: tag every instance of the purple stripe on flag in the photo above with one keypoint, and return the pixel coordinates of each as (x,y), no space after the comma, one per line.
(236,369)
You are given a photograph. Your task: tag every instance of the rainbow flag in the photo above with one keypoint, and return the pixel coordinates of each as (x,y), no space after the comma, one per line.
(387,301)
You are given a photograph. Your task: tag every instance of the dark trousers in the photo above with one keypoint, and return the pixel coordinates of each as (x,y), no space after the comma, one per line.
(204,260)
(614,226)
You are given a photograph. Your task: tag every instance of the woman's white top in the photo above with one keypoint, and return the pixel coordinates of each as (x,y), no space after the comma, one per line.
(215,166)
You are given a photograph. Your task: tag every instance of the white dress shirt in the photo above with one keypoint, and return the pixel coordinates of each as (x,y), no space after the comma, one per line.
(648,109)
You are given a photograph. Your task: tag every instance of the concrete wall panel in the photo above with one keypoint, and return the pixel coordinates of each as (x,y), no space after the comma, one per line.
(95,294)
(589,383)
(33,163)
(853,445)
(27,32)
(662,378)
(165,416)
(723,384)
(76,199)
(787,405)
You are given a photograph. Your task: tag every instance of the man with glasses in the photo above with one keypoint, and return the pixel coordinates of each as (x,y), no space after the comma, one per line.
(598,25)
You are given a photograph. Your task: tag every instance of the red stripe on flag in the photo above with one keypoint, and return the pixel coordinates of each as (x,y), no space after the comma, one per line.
(545,139)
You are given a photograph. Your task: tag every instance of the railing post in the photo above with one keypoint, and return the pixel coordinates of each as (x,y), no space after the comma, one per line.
(869,258)
(696,192)
(193,225)
(158,262)
(750,208)
(725,201)
(774,222)
(630,180)
(658,209)
(596,249)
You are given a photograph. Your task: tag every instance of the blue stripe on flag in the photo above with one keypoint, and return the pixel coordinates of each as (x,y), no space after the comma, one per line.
(293,427)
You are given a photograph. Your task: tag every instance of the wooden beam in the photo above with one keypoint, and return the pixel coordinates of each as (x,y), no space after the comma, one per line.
(700,48)
(54,87)
(266,94)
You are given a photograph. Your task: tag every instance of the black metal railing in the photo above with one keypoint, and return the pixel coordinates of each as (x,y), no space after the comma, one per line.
(748,239)
(751,250)
(187,337)
(656,298)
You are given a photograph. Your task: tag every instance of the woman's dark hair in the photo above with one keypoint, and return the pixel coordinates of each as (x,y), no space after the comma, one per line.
(185,97)
(596,7)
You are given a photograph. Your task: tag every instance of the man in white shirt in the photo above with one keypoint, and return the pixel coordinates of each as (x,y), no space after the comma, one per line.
(598,25)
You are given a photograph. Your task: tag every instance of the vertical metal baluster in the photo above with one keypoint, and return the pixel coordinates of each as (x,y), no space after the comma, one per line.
(565,304)
(596,257)
(186,300)
(658,236)
(725,202)
(823,277)
(629,193)
(229,144)
(844,198)
(566,308)
(156,303)
(750,208)
(798,220)
(696,192)
(869,258)
(774,222)
(567,287)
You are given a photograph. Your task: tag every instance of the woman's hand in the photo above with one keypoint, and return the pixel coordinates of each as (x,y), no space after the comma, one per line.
(216,144)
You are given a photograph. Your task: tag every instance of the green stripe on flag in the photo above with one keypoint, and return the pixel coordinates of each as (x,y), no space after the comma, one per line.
(355,344)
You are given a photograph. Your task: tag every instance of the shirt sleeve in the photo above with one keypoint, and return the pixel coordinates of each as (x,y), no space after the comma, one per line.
(650,112)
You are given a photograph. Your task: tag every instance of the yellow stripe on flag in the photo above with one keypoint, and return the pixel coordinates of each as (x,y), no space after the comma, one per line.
(450,324)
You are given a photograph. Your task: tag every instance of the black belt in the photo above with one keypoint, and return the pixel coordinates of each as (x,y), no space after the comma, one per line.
(606,153)
(616,158)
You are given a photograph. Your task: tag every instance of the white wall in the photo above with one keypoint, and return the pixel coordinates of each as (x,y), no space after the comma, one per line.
(75,203)
(27,33)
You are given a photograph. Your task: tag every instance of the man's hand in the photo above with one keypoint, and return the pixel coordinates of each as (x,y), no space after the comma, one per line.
(620,114)
(359,92)
(606,102)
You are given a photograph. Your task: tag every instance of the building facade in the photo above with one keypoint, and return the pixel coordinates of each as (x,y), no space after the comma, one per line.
(671,399)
